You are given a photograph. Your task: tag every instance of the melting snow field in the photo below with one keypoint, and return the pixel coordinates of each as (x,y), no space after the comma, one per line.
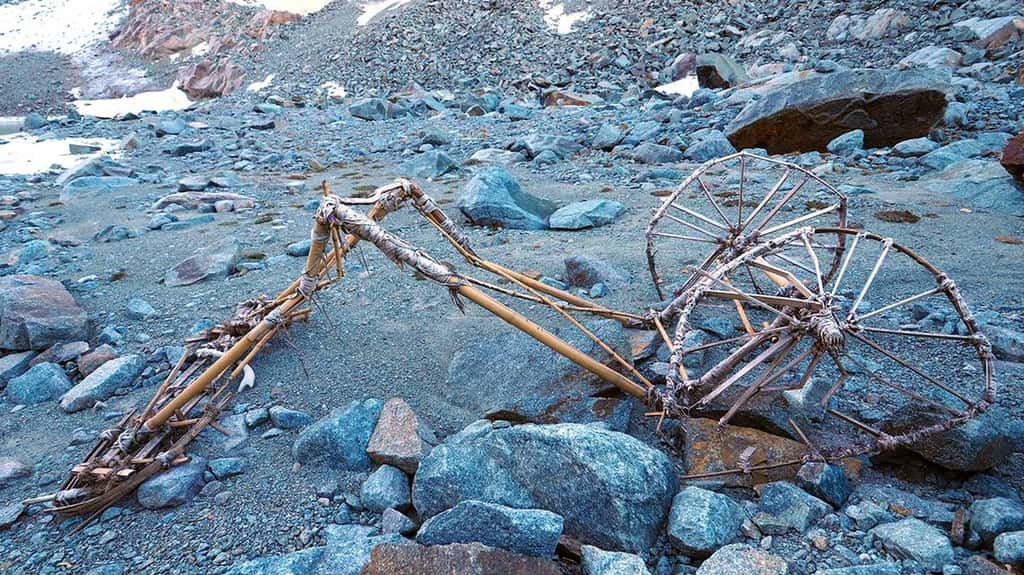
(157,101)
(372,9)
(23,154)
(63,26)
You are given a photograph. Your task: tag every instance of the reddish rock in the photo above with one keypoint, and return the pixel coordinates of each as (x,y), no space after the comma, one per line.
(261,22)
(1013,157)
(95,358)
(710,448)
(461,558)
(207,79)
(399,439)
(36,313)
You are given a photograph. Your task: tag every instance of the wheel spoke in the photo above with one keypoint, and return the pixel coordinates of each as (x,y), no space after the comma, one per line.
(925,334)
(693,227)
(736,339)
(900,388)
(766,379)
(784,342)
(682,237)
(815,263)
(800,220)
(871,278)
(764,201)
(711,199)
(904,301)
(785,200)
(739,206)
(846,263)
(750,298)
(700,217)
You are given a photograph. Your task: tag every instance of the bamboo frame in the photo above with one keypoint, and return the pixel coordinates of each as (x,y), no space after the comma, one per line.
(197,389)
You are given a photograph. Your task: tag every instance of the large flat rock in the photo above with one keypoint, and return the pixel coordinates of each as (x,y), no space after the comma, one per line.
(36,313)
(805,115)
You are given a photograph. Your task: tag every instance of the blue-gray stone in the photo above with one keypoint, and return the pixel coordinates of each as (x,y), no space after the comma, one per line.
(529,382)
(226,467)
(188,223)
(285,418)
(607,137)
(742,559)
(713,146)
(43,382)
(103,382)
(546,158)
(701,521)
(612,490)
(533,144)
(586,214)
(187,148)
(171,127)
(977,445)
(784,507)
(981,184)
(34,121)
(302,562)
(598,290)
(430,165)
(216,260)
(394,521)
(847,143)
(1007,344)
(950,154)
(174,487)
(110,335)
(493,198)
(525,531)
(299,249)
(915,147)
(650,153)
(369,109)
(139,309)
(340,438)
(824,481)
(991,517)
(597,561)
(875,569)
(14,364)
(1009,548)
(583,271)
(88,184)
(914,539)
(385,488)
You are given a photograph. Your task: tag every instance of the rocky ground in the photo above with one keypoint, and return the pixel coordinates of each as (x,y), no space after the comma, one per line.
(364,430)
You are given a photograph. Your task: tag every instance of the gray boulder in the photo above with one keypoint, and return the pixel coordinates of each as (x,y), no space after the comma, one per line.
(1009,548)
(945,156)
(742,559)
(284,418)
(526,381)
(584,272)
(14,364)
(711,147)
(612,490)
(701,521)
(430,165)
(36,313)
(43,382)
(535,144)
(532,532)
(385,488)
(977,445)
(600,562)
(650,153)
(914,539)
(914,147)
(888,105)
(210,262)
(980,184)
(847,143)
(607,137)
(369,109)
(824,481)
(992,517)
(493,198)
(103,382)
(340,438)
(784,507)
(173,487)
(1007,344)
(586,214)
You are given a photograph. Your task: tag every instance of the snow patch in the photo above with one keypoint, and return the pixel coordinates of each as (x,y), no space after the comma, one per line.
(558,19)
(260,85)
(22,154)
(156,101)
(62,26)
(372,9)
(334,90)
(684,87)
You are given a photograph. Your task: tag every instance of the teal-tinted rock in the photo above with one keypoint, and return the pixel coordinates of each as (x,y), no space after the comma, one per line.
(586,214)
